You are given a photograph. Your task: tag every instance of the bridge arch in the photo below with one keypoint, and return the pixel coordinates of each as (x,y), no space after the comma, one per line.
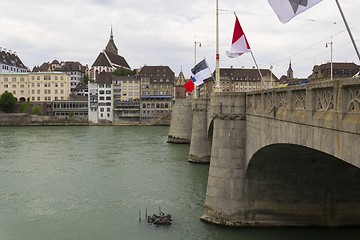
(296,183)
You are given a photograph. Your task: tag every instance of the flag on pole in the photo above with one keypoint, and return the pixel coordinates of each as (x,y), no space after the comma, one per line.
(239,44)
(287,9)
(200,72)
(189,86)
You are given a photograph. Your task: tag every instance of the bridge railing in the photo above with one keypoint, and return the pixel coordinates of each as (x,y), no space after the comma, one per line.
(330,104)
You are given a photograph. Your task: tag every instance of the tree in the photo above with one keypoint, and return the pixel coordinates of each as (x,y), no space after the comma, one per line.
(124,72)
(36,110)
(7,102)
(24,107)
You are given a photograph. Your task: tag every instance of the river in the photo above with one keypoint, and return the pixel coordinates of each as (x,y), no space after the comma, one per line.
(90,183)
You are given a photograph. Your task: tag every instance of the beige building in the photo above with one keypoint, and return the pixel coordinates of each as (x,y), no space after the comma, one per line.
(37,86)
(239,80)
(128,87)
(157,91)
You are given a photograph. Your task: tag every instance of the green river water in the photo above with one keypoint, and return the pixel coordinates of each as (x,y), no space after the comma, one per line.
(89,183)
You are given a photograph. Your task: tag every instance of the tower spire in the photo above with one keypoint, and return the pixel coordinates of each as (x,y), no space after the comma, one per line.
(111,33)
(290,72)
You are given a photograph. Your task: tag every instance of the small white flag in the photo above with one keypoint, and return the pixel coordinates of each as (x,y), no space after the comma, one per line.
(287,9)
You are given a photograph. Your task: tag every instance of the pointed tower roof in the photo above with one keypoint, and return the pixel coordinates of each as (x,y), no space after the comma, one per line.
(111,47)
(290,72)
(180,80)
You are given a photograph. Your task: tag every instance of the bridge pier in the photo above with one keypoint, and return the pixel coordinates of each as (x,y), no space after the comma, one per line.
(181,121)
(224,202)
(200,146)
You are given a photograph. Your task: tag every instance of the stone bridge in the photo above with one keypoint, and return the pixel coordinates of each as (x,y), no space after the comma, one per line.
(283,157)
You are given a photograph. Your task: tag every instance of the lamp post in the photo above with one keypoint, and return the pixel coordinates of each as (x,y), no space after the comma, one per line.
(197,44)
(331,57)
(217,70)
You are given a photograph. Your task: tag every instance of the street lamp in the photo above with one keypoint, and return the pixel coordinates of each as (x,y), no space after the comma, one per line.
(331,58)
(197,44)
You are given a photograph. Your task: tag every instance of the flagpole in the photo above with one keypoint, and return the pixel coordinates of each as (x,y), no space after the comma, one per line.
(261,76)
(217,70)
(348,29)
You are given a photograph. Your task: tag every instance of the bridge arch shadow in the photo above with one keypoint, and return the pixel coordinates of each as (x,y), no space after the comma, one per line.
(296,183)
(211,129)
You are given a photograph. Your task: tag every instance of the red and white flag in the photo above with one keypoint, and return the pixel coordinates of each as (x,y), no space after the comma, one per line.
(239,43)
(287,9)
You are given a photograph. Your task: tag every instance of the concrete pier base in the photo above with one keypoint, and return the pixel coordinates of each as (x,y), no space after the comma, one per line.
(181,121)
(200,147)
(224,200)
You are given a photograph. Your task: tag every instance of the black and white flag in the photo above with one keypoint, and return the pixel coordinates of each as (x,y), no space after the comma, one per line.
(287,9)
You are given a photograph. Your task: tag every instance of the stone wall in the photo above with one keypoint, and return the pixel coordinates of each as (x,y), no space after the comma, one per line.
(23,119)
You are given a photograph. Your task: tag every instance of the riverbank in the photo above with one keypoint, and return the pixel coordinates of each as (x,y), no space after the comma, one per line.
(25,119)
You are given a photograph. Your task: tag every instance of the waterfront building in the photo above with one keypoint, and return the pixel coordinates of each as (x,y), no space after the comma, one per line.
(10,62)
(70,108)
(339,69)
(126,99)
(128,87)
(93,111)
(49,86)
(108,60)
(157,91)
(36,87)
(75,70)
(101,99)
(239,80)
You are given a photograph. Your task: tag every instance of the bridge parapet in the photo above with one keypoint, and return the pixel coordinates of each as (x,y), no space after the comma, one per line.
(329,104)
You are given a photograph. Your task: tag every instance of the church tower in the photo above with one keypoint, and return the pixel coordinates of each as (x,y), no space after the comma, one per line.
(111,47)
(180,91)
(290,72)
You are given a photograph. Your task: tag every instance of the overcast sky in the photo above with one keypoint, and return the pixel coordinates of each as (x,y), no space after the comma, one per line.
(158,32)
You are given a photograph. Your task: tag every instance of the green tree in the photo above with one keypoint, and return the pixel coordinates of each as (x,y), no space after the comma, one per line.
(7,102)
(35,110)
(24,107)
(124,72)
